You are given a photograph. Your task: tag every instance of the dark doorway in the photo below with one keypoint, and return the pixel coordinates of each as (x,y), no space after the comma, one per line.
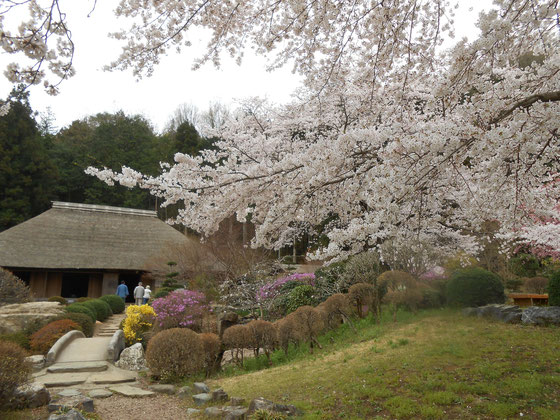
(25,276)
(131,280)
(74,285)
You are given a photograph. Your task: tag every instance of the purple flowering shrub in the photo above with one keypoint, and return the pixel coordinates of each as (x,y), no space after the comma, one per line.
(270,296)
(181,309)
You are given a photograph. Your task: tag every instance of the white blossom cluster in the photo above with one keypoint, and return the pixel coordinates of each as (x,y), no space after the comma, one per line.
(388,139)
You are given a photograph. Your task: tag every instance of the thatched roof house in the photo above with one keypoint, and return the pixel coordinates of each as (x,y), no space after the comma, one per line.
(83,249)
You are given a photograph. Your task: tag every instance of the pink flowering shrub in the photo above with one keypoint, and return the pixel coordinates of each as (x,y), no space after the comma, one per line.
(270,290)
(181,309)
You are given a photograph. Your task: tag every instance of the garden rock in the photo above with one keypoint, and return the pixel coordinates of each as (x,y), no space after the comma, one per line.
(226,320)
(69,393)
(132,358)
(193,412)
(37,362)
(80,403)
(541,315)
(234,412)
(263,404)
(184,392)
(201,387)
(510,314)
(31,395)
(213,412)
(18,316)
(70,415)
(219,395)
(100,393)
(201,399)
(236,401)
(163,389)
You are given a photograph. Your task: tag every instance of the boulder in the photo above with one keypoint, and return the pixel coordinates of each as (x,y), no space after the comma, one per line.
(100,393)
(184,391)
(37,362)
(510,314)
(70,415)
(235,412)
(201,399)
(541,315)
(263,404)
(193,412)
(31,395)
(219,395)
(18,316)
(235,401)
(226,320)
(80,403)
(163,388)
(213,412)
(201,387)
(132,358)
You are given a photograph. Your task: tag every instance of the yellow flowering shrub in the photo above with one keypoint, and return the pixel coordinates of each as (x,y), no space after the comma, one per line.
(138,321)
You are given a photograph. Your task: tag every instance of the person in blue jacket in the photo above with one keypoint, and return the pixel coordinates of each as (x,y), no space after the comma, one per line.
(122,291)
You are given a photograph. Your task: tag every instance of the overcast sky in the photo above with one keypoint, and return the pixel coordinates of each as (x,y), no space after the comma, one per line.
(93,90)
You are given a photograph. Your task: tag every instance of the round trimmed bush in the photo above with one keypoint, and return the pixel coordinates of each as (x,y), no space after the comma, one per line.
(19,338)
(81,308)
(14,371)
(102,308)
(474,287)
(175,353)
(43,340)
(58,299)
(83,320)
(554,289)
(300,296)
(116,303)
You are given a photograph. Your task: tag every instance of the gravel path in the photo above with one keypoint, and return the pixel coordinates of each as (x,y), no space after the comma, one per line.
(159,406)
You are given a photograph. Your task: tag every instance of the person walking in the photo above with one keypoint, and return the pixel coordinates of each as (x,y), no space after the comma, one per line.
(139,294)
(147,294)
(122,291)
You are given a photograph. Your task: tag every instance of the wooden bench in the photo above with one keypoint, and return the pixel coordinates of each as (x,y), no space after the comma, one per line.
(529,299)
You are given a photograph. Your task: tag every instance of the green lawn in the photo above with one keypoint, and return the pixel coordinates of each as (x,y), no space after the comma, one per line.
(437,364)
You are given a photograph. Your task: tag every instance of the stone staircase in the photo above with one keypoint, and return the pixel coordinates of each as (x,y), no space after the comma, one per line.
(109,327)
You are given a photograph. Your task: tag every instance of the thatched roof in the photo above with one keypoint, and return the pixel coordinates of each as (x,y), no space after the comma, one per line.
(84,236)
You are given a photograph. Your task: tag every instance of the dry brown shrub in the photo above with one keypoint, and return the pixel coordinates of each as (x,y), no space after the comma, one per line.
(337,309)
(536,285)
(285,332)
(360,295)
(12,289)
(264,336)
(402,290)
(14,371)
(308,323)
(236,338)
(175,353)
(212,346)
(42,341)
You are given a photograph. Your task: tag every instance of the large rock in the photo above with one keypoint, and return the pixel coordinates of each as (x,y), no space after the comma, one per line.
(201,387)
(510,314)
(70,415)
(37,362)
(220,395)
(262,404)
(234,412)
(226,320)
(132,358)
(18,316)
(541,315)
(31,395)
(78,402)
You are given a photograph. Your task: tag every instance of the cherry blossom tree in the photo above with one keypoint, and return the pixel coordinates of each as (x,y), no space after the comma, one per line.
(390,137)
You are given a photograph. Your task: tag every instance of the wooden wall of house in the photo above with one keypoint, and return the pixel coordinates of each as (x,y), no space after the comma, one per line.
(54,284)
(95,286)
(45,284)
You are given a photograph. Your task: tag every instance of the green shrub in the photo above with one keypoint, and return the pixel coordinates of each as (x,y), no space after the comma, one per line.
(83,320)
(525,265)
(19,338)
(12,289)
(58,299)
(431,298)
(83,299)
(116,303)
(474,287)
(300,296)
(43,340)
(554,289)
(102,308)
(175,353)
(81,308)
(14,371)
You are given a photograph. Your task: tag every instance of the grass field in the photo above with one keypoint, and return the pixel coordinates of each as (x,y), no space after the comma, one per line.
(436,364)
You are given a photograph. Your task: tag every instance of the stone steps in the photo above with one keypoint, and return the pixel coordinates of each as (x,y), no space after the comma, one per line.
(91,366)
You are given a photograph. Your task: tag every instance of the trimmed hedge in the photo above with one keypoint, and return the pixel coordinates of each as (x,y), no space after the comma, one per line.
(43,340)
(83,320)
(554,289)
(81,308)
(474,287)
(102,308)
(116,303)
(58,299)
(19,338)
(14,371)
